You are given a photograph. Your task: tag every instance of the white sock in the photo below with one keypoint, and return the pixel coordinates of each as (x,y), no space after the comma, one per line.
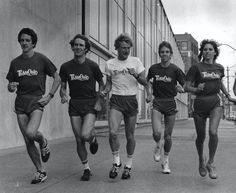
(86,165)
(129,161)
(116,157)
(166,157)
(159,144)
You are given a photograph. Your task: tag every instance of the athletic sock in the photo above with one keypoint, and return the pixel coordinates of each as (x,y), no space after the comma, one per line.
(129,161)
(116,157)
(166,156)
(86,164)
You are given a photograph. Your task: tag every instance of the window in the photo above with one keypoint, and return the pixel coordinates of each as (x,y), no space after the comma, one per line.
(99,21)
(184,46)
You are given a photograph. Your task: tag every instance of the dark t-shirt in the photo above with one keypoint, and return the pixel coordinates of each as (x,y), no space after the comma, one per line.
(81,78)
(30,73)
(210,74)
(165,80)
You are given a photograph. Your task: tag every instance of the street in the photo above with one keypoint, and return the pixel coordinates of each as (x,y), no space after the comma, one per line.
(64,168)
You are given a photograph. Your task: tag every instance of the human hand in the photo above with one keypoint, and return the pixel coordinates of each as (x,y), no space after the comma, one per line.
(98,105)
(201,86)
(179,89)
(12,86)
(103,93)
(132,72)
(149,99)
(64,99)
(44,100)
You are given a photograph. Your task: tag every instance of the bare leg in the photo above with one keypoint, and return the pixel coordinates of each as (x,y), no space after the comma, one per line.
(76,123)
(214,121)
(130,123)
(29,129)
(169,125)
(114,124)
(200,125)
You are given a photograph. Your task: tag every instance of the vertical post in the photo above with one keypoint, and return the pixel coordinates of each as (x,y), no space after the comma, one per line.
(228,90)
(83,17)
(227,78)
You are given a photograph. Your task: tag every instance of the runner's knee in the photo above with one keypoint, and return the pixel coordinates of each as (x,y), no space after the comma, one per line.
(167,137)
(31,135)
(213,133)
(200,139)
(156,135)
(112,134)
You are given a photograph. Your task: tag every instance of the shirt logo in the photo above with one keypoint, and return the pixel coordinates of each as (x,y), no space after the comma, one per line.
(28,72)
(124,71)
(163,78)
(80,77)
(211,75)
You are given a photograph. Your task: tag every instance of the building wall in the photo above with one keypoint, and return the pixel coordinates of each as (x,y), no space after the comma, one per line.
(56,22)
(188,47)
(147,23)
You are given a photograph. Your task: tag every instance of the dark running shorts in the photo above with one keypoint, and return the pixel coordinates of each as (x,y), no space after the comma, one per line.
(203,105)
(165,106)
(81,107)
(26,104)
(127,105)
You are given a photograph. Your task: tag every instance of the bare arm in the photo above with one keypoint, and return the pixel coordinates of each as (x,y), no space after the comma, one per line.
(188,87)
(224,90)
(56,82)
(234,87)
(108,86)
(98,105)
(139,77)
(148,91)
(63,94)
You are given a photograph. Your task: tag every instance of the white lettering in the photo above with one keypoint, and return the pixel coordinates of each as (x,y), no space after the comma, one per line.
(80,77)
(211,75)
(163,78)
(28,72)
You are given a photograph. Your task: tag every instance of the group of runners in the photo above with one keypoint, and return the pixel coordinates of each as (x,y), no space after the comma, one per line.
(27,76)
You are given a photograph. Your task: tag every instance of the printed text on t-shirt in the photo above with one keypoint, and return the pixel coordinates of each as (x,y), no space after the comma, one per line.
(81,77)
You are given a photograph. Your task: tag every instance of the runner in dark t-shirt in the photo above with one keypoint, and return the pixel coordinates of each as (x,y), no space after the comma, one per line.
(205,81)
(31,70)
(81,74)
(27,76)
(81,78)
(164,77)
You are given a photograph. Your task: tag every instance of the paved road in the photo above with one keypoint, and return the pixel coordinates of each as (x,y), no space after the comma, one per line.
(64,168)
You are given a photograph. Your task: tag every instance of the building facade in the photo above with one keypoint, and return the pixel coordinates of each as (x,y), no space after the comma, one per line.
(56,22)
(188,47)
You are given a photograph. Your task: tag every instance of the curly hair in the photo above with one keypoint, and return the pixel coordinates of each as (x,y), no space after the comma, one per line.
(82,37)
(213,43)
(123,37)
(29,32)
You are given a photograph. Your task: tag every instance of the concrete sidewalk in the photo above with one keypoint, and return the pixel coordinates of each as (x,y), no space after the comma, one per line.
(64,168)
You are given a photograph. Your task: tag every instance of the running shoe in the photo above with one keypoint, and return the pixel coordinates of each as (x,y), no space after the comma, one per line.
(126,173)
(157,154)
(212,171)
(202,169)
(166,167)
(114,170)
(93,146)
(45,152)
(86,175)
(39,177)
